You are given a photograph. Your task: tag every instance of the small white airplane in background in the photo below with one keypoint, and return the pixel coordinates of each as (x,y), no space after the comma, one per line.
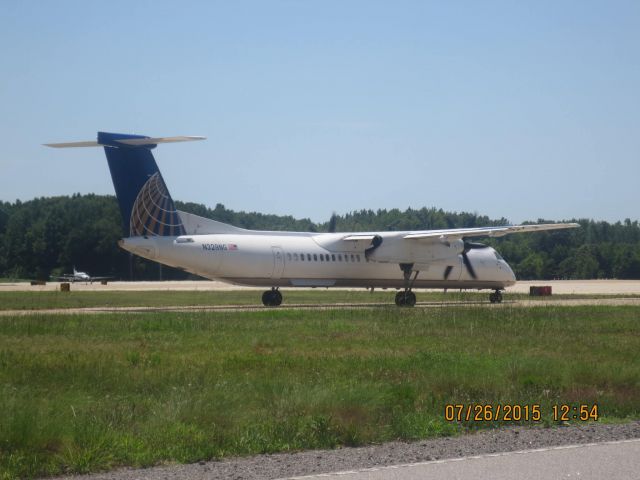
(403,260)
(80,277)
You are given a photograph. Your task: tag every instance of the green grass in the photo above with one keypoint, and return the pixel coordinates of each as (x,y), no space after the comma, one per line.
(85,393)
(78,299)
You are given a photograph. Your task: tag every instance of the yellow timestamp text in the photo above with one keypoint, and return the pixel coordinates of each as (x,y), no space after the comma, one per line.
(515,412)
(582,412)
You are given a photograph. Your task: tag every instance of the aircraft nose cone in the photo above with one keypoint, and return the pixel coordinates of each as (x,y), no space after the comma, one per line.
(510,276)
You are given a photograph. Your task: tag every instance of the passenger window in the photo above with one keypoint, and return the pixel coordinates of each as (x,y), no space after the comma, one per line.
(321,257)
(302,257)
(315,257)
(358,257)
(289,256)
(346,258)
(352,259)
(339,257)
(333,257)
(295,257)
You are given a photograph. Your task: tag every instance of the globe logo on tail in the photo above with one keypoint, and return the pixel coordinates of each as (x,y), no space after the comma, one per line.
(153,212)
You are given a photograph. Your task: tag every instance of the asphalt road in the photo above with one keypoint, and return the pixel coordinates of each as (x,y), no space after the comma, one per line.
(596,461)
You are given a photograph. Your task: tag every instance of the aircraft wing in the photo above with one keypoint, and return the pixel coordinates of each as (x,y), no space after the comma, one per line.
(97,279)
(459,233)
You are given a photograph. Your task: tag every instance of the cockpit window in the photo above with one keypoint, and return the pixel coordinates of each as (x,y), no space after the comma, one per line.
(498,256)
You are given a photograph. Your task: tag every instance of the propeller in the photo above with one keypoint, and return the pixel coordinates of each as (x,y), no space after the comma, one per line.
(375,243)
(447,272)
(465,258)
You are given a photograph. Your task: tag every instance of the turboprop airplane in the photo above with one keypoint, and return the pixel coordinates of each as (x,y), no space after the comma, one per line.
(155,230)
(77,276)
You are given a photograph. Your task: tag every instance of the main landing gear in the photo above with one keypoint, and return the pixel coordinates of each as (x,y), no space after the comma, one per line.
(495,297)
(272,298)
(406,298)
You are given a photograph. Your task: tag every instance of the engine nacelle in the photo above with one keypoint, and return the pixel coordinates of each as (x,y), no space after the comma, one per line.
(454,245)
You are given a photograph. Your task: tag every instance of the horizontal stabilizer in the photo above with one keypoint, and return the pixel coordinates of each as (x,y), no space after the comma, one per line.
(73,144)
(146,141)
(133,142)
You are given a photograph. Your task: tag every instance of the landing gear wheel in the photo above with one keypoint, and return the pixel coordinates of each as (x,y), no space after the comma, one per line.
(410,299)
(272,298)
(266,298)
(405,299)
(495,297)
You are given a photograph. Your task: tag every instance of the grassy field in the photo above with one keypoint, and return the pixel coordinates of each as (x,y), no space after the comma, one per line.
(78,299)
(85,393)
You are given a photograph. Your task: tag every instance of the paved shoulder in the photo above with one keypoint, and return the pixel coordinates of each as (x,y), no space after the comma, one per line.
(594,461)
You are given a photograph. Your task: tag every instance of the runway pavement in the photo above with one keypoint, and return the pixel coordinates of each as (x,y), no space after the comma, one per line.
(616,289)
(586,287)
(306,306)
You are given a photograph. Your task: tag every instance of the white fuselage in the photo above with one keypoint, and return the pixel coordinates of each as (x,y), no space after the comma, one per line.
(278,259)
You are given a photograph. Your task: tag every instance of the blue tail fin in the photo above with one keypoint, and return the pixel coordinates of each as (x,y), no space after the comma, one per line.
(145,203)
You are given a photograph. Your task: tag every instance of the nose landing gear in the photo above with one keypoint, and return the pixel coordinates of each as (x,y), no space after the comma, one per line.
(405,298)
(495,297)
(272,298)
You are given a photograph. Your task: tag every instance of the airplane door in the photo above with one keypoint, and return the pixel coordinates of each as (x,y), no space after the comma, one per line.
(278,262)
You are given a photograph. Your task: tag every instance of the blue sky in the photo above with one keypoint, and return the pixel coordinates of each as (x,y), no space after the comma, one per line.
(524,110)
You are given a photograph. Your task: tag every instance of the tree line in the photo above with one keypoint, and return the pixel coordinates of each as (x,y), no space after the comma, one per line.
(46,237)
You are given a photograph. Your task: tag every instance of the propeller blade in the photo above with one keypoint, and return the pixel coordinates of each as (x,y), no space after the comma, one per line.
(465,259)
(375,243)
(467,263)
(447,272)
